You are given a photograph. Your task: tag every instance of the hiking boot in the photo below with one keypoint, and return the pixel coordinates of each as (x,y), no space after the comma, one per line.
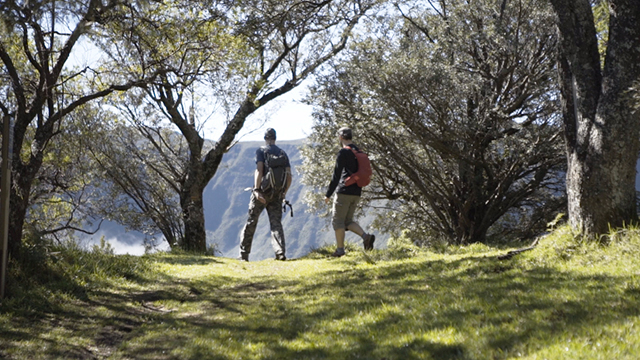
(338,253)
(368,240)
(281,257)
(243,257)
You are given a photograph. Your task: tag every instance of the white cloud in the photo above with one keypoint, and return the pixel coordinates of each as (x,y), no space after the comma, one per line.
(122,248)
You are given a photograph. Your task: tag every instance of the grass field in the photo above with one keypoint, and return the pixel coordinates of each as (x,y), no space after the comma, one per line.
(563,300)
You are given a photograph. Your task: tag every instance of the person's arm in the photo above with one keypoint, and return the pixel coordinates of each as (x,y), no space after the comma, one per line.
(288,181)
(257,181)
(257,176)
(337,174)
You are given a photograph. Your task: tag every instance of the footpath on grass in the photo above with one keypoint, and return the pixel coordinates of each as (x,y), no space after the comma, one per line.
(561,300)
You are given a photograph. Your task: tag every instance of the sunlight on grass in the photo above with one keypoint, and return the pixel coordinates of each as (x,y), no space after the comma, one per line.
(566,299)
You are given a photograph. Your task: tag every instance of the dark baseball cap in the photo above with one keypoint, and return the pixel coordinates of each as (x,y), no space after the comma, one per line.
(270,134)
(345,132)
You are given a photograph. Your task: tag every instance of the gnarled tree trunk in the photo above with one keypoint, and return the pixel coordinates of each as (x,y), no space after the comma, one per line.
(601,123)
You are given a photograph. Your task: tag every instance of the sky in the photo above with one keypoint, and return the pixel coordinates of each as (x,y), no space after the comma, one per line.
(286,114)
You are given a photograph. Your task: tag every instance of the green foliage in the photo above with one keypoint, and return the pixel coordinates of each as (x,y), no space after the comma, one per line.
(401,247)
(139,177)
(47,274)
(566,246)
(212,250)
(461,120)
(99,266)
(214,61)
(601,14)
(42,85)
(67,194)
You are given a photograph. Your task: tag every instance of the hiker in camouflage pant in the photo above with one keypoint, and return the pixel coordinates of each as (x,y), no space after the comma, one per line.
(274,210)
(271,201)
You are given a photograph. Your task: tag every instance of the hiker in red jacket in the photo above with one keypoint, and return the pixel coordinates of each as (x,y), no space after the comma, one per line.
(347,196)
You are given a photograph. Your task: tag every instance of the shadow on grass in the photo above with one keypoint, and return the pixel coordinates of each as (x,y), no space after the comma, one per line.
(466,309)
(472,308)
(187,259)
(60,315)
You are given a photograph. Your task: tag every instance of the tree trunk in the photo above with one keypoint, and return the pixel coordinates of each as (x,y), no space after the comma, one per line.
(195,235)
(191,197)
(200,173)
(22,177)
(601,124)
(17,214)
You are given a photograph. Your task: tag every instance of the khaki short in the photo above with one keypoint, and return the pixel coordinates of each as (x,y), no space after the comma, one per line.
(344,206)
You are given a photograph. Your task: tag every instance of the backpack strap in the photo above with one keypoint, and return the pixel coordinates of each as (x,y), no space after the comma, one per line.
(265,152)
(353,149)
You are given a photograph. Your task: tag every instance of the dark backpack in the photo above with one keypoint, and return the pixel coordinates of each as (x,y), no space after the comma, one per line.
(362,177)
(275,176)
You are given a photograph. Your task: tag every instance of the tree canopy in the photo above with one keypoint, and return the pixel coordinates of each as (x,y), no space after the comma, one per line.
(238,55)
(457,104)
(41,88)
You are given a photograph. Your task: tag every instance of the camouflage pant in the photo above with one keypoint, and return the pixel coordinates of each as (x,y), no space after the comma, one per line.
(274,209)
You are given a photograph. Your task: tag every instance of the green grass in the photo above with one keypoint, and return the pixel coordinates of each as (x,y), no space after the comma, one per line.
(566,299)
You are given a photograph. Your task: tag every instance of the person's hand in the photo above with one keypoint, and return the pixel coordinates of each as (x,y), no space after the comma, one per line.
(260,196)
(327,200)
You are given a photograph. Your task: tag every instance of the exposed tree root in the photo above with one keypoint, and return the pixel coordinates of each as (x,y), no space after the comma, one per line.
(512,253)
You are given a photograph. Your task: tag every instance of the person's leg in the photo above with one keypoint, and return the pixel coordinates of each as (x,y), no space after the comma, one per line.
(351,204)
(339,213)
(367,239)
(354,227)
(340,234)
(255,208)
(274,209)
